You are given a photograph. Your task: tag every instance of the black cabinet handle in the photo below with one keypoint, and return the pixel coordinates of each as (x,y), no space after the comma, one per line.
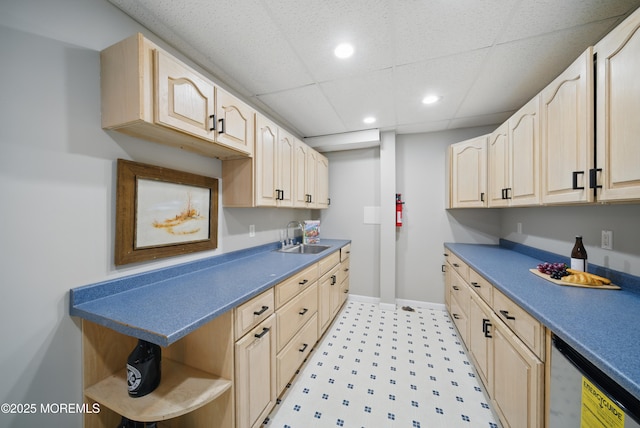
(346,291)
(304,347)
(443,268)
(575,180)
(222,127)
(485,327)
(455,287)
(303,282)
(265,330)
(456,265)
(481,196)
(506,315)
(303,311)
(456,316)
(213,122)
(593,178)
(261,311)
(334,279)
(475,284)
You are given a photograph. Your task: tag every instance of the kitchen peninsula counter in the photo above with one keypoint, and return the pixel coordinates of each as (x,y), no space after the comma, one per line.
(603,325)
(164,305)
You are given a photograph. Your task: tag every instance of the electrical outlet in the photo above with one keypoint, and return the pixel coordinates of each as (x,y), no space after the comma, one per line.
(252,230)
(607,240)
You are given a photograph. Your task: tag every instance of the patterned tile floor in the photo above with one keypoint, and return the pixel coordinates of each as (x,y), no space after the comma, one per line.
(377,368)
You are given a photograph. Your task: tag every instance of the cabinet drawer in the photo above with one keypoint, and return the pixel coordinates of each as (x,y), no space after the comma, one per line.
(294,354)
(460,320)
(344,271)
(458,265)
(294,285)
(345,252)
(292,316)
(527,328)
(460,291)
(328,262)
(481,286)
(249,314)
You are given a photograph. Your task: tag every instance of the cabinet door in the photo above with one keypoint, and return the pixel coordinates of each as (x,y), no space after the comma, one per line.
(255,374)
(518,380)
(312,177)
(617,110)
(300,174)
(184,100)
(265,161)
(567,134)
(285,166)
(498,167)
(480,345)
(469,173)
(524,153)
(236,122)
(322,186)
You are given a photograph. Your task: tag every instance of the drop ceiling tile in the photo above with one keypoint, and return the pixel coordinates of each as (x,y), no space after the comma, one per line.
(357,97)
(431,29)
(545,16)
(416,128)
(314,29)
(517,71)
(449,77)
(307,109)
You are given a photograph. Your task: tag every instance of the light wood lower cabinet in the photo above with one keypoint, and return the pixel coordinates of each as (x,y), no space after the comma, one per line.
(225,374)
(255,382)
(506,344)
(518,380)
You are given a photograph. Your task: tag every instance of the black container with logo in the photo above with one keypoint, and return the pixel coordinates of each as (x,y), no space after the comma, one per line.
(143,368)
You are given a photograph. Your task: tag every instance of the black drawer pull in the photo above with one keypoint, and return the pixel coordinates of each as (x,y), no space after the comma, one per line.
(303,311)
(506,315)
(485,327)
(304,347)
(334,279)
(456,265)
(475,284)
(303,282)
(456,316)
(443,268)
(261,311)
(455,287)
(265,330)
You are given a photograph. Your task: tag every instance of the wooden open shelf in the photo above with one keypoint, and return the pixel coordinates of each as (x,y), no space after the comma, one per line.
(182,390)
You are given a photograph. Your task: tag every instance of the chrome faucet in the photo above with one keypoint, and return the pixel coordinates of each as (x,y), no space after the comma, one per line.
(298,225)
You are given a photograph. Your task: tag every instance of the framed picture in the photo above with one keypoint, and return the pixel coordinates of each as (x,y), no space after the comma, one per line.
(162,212)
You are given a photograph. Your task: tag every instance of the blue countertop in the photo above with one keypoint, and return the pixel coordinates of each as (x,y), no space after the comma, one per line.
(164,305)
(603,325)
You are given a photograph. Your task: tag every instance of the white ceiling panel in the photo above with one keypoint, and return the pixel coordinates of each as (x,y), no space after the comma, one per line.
(307,109)
(485,58)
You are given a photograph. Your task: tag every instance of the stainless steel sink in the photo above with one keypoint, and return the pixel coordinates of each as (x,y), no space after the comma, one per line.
(304,249)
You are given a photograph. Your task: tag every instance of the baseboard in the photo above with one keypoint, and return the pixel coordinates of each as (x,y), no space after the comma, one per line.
(399,303)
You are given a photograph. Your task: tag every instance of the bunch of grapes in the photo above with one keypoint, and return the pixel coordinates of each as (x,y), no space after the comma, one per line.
(555,270)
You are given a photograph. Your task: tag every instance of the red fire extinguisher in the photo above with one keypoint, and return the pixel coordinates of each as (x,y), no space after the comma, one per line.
(399,204)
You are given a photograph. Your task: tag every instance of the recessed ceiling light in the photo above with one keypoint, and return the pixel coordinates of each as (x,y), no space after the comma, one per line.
(430,99)
(369,119)
(343,50)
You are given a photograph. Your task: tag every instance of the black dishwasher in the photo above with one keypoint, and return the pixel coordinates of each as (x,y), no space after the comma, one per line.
(583,396)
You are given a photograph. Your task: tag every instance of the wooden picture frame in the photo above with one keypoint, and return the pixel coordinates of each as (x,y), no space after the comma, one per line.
(162,212)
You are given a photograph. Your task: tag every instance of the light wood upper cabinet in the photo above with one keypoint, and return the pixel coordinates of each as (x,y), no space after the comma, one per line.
(567,134)
(469,173)
(498,166)
(617,111)
(524,154)
(148,93)
(235,122)
(284,168)
(266,162)
(322,183)
(301,151)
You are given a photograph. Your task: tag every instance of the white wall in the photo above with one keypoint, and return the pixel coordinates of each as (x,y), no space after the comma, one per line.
(354,183)
(420,169)
(57,182)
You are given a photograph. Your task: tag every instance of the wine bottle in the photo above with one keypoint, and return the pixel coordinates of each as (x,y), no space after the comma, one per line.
(579,256)
(143,369)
